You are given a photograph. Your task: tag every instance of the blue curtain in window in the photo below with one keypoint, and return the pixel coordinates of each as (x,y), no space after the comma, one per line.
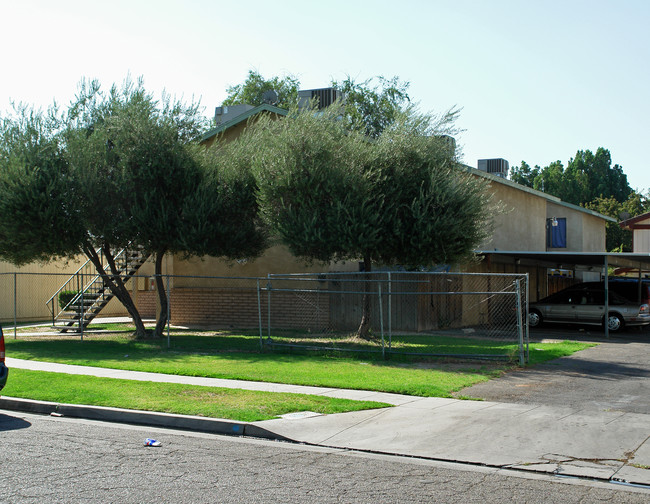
(556,233)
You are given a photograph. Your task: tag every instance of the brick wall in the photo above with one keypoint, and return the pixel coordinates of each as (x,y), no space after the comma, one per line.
(238,307)
(146,303)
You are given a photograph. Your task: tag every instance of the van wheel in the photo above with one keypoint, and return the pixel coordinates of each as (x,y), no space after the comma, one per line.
(534,318)
(615,322)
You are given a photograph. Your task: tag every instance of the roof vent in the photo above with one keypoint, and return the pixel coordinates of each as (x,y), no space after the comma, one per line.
(498,166)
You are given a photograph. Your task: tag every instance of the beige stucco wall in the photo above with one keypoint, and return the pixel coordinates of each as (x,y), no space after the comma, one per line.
(585,232)
(593,234)
(276,259)
(25,290)
(520,223)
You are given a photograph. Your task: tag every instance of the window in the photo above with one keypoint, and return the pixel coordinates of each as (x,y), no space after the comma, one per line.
(556,232)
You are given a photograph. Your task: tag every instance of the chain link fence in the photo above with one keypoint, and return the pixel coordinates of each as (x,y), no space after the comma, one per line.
(417,313)
(39,305)
(35,305)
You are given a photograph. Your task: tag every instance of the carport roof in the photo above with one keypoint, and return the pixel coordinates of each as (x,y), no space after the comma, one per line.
(565,259)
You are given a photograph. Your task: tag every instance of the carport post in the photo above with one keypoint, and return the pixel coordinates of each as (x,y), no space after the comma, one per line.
(639,297)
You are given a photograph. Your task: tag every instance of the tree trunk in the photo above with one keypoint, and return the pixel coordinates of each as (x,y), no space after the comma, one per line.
(364,327)
(162,295)
(116,286)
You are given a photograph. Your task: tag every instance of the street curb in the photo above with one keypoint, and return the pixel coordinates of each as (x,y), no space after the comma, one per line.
(136,417)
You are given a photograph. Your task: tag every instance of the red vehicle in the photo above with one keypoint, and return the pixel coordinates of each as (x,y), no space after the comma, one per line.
(3,369)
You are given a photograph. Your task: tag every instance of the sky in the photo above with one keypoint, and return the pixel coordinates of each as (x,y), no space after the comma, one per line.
(536,81)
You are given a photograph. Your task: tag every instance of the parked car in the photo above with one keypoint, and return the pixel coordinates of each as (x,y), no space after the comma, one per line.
(3,369)
(629,288)
(623,286)
(585,304)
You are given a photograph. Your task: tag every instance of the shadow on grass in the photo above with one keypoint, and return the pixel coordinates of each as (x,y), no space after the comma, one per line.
(245,349)
(121,351)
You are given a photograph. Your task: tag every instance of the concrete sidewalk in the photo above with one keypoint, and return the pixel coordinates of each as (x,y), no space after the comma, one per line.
(606,445)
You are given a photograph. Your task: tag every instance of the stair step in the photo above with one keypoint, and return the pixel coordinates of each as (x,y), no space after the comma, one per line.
(77,304)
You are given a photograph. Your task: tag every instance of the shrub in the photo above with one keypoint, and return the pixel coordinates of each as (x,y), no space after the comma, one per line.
(66,296)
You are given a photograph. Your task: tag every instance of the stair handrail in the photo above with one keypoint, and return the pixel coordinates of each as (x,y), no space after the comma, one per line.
(82,289)
(75,276)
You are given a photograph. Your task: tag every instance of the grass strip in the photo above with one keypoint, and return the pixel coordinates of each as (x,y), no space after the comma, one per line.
(214,402)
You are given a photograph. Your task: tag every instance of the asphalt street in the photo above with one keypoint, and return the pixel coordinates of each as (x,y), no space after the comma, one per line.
(582,418)
(64,460)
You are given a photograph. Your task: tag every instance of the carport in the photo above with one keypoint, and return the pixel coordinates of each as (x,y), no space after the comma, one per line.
(637,263)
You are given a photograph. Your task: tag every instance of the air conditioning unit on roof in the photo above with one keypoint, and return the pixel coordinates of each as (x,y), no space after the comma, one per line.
(324,97)
(498,166)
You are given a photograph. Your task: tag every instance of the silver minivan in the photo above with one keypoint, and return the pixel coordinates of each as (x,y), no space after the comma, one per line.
(586,305)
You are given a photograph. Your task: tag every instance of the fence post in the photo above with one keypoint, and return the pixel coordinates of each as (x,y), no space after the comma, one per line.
(259,313)
(381,323)
(81,311)
(390,312)
(520,332)
(526,326)
(268,302)
(169,314)
(15,306)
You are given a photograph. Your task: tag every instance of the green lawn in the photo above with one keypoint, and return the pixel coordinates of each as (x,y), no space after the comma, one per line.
(238,356)
(241,405)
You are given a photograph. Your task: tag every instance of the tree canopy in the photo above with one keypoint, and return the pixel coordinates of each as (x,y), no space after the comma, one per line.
(370,106)
(121,169)
(252,90)
(588,180)
(36,216)
(586,177)
(331,194)
(618,239)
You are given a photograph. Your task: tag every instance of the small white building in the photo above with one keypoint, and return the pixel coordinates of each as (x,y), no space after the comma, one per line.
(640,227)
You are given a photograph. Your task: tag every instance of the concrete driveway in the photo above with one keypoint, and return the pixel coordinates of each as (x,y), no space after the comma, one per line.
(613,376)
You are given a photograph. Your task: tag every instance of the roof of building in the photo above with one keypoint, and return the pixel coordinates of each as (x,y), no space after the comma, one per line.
(566,259)
(630,223)
(548,197)
(243,117)
(554,199)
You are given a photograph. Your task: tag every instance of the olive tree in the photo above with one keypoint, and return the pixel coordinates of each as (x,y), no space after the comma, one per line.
(333,194)
(120,169)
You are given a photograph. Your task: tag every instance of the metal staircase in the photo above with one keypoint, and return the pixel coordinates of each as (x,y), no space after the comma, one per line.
(88,291)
